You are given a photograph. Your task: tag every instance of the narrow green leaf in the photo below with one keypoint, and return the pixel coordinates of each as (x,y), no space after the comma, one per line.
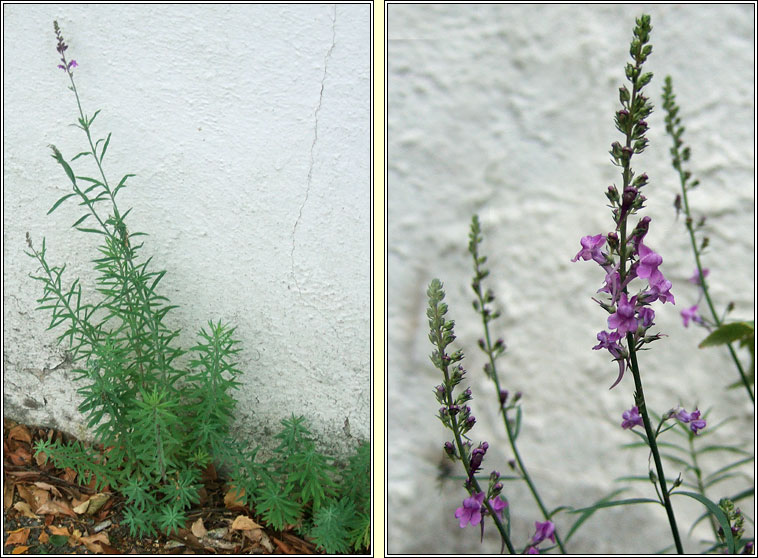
(626,502)
(517,427)
(717,513)
(105,147)
(88,179)
(80,220)
(728,333)
(96,231)
(91,120)
(82,154)
(60,201)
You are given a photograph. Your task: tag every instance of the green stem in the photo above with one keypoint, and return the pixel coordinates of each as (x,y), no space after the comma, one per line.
(503,412)
(641,406)
(129,268)
(703,283)
(639,394)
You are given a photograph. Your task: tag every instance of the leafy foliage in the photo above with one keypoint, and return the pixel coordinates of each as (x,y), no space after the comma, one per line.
(162,423)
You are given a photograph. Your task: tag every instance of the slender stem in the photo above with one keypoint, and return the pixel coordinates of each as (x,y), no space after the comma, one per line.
(506,421)
(467,466)
(640,401)
(639,394)
(703,283)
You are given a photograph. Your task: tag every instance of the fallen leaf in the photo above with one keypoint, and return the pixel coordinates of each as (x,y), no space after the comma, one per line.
(235,498)
(25,510)
(198,529)
(20,550)
(55,530)
(244,523)
(50,487)
(8,494)
(96,502)
(20,456)
(43,537)
(93,542)
(40,458)
(21,433)
(56,507)
(69,475)
(28,496)
(19,536)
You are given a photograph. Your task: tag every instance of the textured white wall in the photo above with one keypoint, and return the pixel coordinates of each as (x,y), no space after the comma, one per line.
(248,129)
(506,111)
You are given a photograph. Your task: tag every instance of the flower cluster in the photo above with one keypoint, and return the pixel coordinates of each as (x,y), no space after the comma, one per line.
(61,48)
(456,416)
(627,257)
(632,418)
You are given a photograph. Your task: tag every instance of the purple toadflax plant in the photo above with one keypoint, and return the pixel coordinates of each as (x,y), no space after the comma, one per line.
(456,416)
(628,258)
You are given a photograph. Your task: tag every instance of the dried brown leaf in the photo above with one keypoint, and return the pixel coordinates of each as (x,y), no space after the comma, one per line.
(20,433)
(55,530)
(198,528)
(8,489)
(19,550)
(50,487)
(25,510)
(235,498)
(244,523)
(19,536)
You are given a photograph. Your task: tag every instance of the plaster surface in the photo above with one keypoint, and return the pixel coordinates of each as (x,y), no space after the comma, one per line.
(507,111)
(247,127)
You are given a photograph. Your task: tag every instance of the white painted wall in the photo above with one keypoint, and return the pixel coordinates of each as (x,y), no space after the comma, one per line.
(248,129)
(506,110)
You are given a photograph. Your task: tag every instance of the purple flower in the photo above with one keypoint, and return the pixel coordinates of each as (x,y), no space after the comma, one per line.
(471,510)
(623,319)
(690,314)
(693,418)
(72,64)
(661,290)
(608,341)
(631,418)
(695,279)
(532,550)
(591,249)
(545,530)
(647,268)
(498,505)
(647,315)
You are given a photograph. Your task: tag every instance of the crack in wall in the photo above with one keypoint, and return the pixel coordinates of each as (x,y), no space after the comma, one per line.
(309,177)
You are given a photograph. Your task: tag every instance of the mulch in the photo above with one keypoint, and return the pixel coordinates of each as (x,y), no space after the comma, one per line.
(46,511)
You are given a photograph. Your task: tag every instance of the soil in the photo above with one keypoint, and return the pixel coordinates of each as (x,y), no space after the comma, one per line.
(46,511)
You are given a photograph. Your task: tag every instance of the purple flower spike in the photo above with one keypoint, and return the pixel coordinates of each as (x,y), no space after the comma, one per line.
(623,319)
(545,530)
(498,505)
(471,510)
(631,418)
(689,314)
(591,249)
